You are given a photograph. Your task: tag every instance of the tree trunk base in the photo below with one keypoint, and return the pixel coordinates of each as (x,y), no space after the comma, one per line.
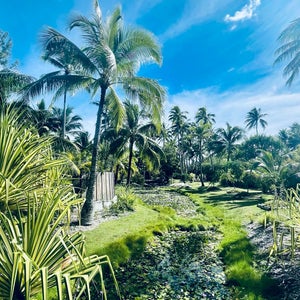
(87,215)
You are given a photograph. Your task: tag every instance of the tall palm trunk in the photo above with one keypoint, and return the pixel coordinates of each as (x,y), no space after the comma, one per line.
(117,173)
(64,114)
(129,162)
(201,164)
(87,209)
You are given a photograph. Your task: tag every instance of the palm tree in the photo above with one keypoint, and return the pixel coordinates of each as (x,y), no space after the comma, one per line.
(42,119)
(228,138)
(290,50)
(178,127)
(272,166)
(178,122)
(202,133)
(82,140)
(204,116)
(5,48)
(111,55)
(293,136)
(135,133)
(68,124)
(255,118)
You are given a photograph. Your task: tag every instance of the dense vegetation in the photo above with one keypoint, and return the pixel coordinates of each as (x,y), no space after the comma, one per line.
(48,161)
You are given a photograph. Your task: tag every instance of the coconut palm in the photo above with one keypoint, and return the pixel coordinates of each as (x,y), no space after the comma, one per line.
(178,128)
(136,133)
(10,79)
(67,123)
(5,48)
(178,121)
(202,133)
(290,50)
(227,139)
(292,138)
(204,116)
(111,55)
(41,119)
(255,118)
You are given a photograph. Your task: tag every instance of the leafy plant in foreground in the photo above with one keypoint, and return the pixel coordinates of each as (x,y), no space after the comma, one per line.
(36,251)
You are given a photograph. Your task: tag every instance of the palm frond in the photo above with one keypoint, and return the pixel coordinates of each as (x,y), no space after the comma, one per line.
(115,108)
(57,45)
(149,93)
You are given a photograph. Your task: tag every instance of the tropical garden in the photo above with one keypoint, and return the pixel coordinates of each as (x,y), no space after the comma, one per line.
(190,195)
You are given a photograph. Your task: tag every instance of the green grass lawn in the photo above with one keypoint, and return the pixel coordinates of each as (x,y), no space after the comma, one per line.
(127,235)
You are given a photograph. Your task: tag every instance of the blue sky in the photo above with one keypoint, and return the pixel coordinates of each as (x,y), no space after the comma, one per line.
(216,53)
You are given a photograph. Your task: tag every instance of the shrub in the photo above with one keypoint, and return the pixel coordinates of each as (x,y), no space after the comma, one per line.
(267,184)
(213,173)
(227,179)
(251,181)
(125,200)
(138,178)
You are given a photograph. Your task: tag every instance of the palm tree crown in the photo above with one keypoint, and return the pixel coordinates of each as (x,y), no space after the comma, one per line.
(255,118)
(203,116)
(228,138)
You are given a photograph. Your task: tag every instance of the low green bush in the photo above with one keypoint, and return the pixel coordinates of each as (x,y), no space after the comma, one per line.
(126,199)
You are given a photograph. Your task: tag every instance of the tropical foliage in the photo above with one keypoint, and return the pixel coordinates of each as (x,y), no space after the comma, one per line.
(289,50)
(36,251)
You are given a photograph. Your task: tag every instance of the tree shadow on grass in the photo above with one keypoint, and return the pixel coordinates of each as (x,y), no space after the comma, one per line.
(234,200)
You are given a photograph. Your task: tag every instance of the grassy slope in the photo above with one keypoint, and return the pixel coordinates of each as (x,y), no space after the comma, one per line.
(127,235)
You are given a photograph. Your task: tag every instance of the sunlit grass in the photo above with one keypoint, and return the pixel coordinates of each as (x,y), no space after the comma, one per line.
(127,235)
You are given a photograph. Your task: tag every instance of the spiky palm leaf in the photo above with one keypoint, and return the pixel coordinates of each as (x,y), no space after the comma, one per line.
(36,253)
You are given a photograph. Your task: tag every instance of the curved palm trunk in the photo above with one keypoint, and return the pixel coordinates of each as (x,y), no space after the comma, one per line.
(129,162)
(87,209)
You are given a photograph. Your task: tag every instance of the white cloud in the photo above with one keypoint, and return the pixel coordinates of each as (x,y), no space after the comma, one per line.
(281,105)
(247,12)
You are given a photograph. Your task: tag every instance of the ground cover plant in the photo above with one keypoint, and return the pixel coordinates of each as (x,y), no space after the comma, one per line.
(176,265)
(175,256)
(231,209)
